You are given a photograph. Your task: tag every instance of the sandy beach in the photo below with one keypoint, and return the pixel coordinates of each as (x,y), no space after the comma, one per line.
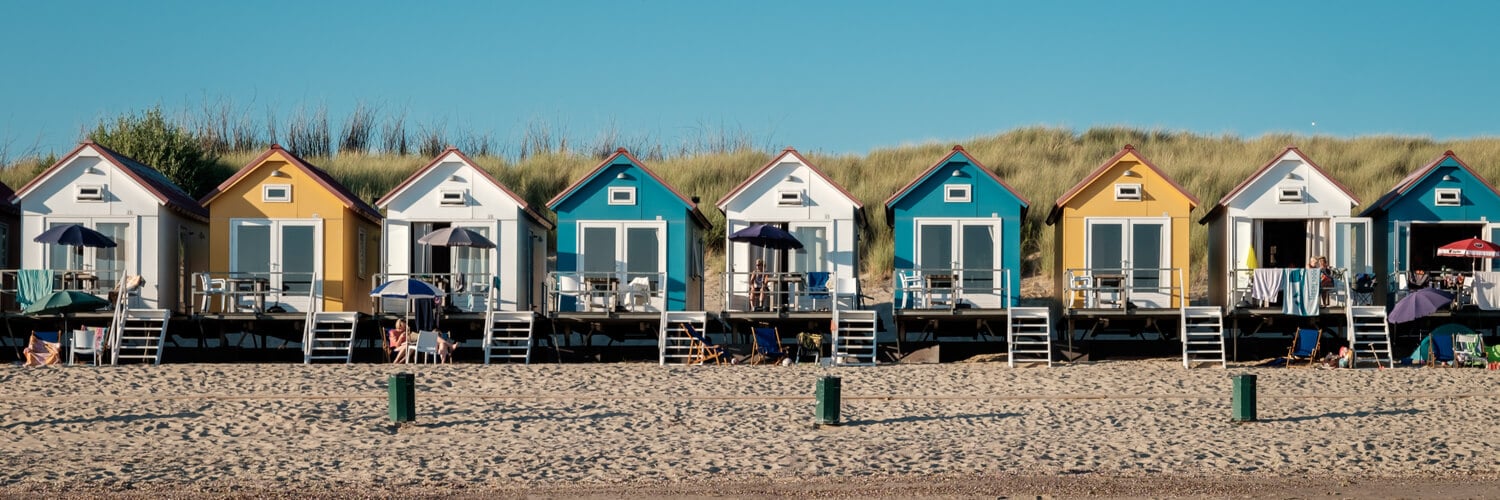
(1124,428)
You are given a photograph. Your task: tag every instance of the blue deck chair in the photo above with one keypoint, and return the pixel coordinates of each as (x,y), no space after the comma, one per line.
(1304,346)
(1440,348)
(767,345)
(817,287)
(702,351)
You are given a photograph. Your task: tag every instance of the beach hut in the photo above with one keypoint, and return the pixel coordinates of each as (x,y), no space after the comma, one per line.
(452,191)
(626,242)
(10,236)
(1122,237)
(293,236)
(159,230)
(1442,202)
(957,229)
(792,194)
(1287,212)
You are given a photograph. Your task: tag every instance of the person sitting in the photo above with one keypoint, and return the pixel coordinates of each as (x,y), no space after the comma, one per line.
(445,346)
(1325,280)
(396,341)
(759,286)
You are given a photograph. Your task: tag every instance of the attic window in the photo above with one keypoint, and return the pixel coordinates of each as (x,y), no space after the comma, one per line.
(90,193)
(1289,195)
(1127,192)
(1446,197)
(276,193)
(622,196)
(788,198)
(452,198)
(956,193)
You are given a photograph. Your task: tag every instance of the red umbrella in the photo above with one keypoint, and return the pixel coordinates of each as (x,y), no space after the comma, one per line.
(1472,247)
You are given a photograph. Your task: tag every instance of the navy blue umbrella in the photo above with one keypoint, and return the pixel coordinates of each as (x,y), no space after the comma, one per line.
(1418,304)
(767,236)
(75,235)
(456,237)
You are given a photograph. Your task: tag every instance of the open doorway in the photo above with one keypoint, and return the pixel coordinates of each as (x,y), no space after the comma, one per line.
(1284,242)
(1426,238)
(426,259)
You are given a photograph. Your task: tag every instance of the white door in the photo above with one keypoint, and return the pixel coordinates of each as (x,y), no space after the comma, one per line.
(1491,232)
(1400,247)
(471,271)
(1351,246)
(1138,248)
(969,249)
(629,252)
(1241,245)
(286,254)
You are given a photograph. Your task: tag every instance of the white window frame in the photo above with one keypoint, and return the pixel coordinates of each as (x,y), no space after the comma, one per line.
(1289,194)
(1455,196)
(630,191)
(1128,192)
(446,198)
(97,191)
(265,193)
(949,195)
(789,198)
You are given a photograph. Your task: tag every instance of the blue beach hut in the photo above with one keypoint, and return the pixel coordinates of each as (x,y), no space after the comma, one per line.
(958,237)
(627,242)
(1442,202)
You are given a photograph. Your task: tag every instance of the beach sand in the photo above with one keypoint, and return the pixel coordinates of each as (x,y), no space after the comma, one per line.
(1113,428)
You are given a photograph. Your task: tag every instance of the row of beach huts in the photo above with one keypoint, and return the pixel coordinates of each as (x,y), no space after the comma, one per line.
(282,242)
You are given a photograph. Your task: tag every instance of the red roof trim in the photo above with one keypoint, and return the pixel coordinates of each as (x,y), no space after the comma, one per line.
(693,207)
(525,207)
(1411,180)
(774,161)
(351,201)
(1093,176)
(183,204)
(946,159)
(1262,171)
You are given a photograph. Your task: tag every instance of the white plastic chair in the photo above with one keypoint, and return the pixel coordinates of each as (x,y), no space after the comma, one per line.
(212,287)
(638,292)
(426,345)
(84,341)
(912,291)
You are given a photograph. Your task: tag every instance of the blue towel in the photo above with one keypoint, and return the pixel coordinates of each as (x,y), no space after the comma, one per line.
(1302,292)
(32,285)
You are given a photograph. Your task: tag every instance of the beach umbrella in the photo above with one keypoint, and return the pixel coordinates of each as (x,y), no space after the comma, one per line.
(406,289)
(74,235)
(456,237)
(66,301)
(1473,248)
(1419,304)
(767,236)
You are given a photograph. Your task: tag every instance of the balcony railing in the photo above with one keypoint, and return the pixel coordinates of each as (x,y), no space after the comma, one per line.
(1250,292)
(462,292)
(1125,288)
(606,292)
(952,288)
(780,292)
(253,292)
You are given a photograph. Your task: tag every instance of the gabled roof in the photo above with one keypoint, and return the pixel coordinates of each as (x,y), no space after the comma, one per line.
(7,202)
(777,160)
(351,201)
(1224,202)
(1412,179)
(401,188)
(957,151)
(1093,176)
(167,193)
(692,207)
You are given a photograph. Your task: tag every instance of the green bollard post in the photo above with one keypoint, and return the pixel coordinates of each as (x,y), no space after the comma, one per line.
(827,395)
(402,387)
(1244,398)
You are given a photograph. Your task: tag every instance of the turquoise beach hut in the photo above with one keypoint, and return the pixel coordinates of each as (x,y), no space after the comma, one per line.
(1442,202)
(627,242)
(957,229)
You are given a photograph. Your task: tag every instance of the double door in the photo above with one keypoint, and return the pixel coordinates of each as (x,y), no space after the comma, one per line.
(965,254)
(628,258)
(1138,251)
(276,261)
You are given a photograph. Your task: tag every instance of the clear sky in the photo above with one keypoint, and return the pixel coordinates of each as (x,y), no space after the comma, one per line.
(821,76)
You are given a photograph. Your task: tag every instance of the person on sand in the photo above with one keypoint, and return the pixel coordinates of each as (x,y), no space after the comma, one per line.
(396,340)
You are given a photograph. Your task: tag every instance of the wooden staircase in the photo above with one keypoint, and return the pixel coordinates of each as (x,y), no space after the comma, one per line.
(138,334)
(1369,336)
(508,337)
(673,340)
(854,337)
(1203,336)
(329,336)
(1029,335)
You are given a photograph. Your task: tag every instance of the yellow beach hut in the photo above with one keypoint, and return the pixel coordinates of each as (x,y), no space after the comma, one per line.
(292,234)
(1121,238)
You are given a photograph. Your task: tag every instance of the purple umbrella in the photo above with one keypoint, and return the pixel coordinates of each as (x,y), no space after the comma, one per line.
(767,236)
(1418,304)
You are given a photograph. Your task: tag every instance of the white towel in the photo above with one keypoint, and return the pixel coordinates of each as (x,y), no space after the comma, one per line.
(1487,290)
(1265,284)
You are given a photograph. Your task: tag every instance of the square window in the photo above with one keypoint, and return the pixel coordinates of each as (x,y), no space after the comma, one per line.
(956,193)
(788,198)
(1447,197)
(1127,192)
(90,193)
(453,198)
(276,193)
(622,196)
(1289,195)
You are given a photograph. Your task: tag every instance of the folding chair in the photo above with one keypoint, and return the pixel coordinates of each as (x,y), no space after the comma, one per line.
(817,287)
(702,351)
(1363,290)
(767,349)
(810,342)
(43,348)
(912,293)
(1468,350)
(1439,348)
(1305,345)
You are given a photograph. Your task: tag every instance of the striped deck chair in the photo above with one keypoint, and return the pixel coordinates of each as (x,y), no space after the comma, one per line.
(702,351)
(44,348)
(767,349)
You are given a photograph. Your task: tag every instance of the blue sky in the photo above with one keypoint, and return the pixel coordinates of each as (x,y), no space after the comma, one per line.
(821,76)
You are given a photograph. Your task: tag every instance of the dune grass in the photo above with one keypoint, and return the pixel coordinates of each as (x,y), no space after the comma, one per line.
(1040,162)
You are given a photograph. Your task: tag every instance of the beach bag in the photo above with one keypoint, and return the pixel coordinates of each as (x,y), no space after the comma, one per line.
(1326,280)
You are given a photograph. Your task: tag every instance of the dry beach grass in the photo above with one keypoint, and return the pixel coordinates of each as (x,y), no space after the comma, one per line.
(1131,428)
